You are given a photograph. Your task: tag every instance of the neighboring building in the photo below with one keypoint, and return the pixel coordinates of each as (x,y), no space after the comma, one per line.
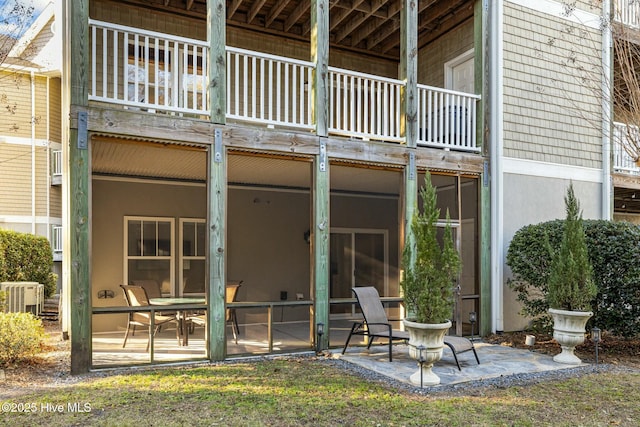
(286,151)
(31,134)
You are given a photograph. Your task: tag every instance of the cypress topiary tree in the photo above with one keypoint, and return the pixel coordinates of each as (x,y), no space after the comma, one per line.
(428,283)
(571,284)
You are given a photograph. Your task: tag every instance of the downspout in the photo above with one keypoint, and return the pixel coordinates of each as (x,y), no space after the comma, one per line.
(496,152)
(607,113)
(48,184)
(33,153)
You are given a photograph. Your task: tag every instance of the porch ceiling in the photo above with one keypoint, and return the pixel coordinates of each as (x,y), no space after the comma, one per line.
(148,160)
(371,26)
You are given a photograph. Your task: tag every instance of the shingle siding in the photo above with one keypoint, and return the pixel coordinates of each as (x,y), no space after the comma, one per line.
(541,118)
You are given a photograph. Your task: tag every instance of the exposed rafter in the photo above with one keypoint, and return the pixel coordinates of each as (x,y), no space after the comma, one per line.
(356,25)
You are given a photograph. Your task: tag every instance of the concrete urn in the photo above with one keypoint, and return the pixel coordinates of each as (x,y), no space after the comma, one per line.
(569,331)
(426,343)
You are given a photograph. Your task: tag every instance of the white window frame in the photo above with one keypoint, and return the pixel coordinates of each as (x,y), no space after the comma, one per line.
(182,257)
(170,258)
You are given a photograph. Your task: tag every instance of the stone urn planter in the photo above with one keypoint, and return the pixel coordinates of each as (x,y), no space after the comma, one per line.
(426,343)
(569,331)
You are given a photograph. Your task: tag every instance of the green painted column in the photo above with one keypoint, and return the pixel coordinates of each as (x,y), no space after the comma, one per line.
(320,242)
(320,58)
(409,115)
(78,228)
(409,70)
(216,186)
(216,37)
(481,85)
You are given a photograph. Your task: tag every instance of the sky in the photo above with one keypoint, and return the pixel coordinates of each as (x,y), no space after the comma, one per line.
(14,23)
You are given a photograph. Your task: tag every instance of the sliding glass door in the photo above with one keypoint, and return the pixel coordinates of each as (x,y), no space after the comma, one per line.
(358,258)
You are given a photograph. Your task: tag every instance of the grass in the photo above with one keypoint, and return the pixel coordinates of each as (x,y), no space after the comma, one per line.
(293,392)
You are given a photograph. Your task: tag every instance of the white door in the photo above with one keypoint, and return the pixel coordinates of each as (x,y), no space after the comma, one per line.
(460,73)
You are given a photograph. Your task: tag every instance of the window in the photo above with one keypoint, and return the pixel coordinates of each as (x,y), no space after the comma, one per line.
(149,251)
(193,256)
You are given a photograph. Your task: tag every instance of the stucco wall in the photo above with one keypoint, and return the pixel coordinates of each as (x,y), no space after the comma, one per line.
(532,200)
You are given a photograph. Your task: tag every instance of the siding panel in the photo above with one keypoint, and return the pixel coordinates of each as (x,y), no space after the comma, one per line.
(549,115)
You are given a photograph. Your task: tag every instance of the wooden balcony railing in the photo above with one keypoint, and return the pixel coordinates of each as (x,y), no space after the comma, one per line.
(148,70)
(364,105)
(268,89)
(163,73)
(447,118)
(627,12)
(622,161)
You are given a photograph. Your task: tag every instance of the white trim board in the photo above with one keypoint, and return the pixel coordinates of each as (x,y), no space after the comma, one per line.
(17,140)
(550,170)
(25,219)
(558,10)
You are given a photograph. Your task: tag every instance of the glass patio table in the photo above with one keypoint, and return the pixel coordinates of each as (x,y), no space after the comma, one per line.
(181,305)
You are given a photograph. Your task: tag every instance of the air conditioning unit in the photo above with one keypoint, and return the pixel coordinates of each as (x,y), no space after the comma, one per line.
(24,297)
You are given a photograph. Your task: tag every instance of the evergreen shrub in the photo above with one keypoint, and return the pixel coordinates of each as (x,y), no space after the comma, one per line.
(614,253)
(27,258)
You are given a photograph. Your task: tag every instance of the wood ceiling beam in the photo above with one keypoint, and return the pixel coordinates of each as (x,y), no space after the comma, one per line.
(355,23)
(337,18)
(441,10)
(383,33)
(301,9)
(275,11)
(255,8)
(231,10)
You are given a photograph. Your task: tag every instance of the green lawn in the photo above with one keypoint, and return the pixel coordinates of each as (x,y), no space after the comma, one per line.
(288,392)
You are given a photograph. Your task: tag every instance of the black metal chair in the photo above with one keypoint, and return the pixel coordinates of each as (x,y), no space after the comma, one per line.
(376,325)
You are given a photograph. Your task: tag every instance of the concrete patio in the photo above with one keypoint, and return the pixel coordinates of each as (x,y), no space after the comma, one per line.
(495,361)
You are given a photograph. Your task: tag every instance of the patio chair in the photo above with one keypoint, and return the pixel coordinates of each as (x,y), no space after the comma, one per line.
(231,292)
(136,296)
(376,325)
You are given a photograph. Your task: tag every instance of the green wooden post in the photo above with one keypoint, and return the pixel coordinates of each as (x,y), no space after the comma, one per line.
(77,229)
(320,235)
(481,86)
(217,239)
(320,57)
(409,113)
(410,199)
(409,70)
(216,36)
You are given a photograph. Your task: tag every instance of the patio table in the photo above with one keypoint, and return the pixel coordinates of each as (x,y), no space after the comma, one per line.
(178,304)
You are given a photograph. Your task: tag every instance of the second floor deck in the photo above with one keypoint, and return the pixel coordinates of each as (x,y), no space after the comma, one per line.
(166,74)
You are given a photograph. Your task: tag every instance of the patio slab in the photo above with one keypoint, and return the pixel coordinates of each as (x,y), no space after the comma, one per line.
(495,361)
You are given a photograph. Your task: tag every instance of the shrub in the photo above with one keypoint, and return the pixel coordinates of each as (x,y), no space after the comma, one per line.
(614,253)
(3,300)
(26,258)
(429,269)
(571,284)
(21,336)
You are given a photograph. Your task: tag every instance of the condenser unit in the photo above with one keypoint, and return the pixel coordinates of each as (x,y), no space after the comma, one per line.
(24,297)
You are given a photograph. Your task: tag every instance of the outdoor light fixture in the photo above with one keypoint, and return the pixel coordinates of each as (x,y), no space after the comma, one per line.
(421,360)
(530,341)
(320,333)
(473,319)
(595,337)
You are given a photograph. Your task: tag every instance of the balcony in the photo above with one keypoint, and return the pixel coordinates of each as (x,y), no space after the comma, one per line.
(165,74)
(622,161)
(627,12)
